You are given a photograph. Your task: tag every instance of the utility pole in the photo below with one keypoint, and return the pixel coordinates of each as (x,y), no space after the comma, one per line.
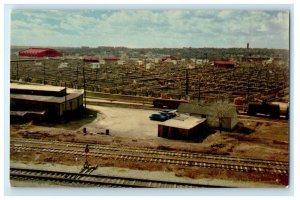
(186,82)
(84,89)
(199,91)
(268,76)
(77,74)
(206,58)
(17,70)
(44,71)
(248,90)
(97,73)
(86,150)
(65,96)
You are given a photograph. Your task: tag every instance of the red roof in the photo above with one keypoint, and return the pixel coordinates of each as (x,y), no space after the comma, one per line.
(39,52)
(170,58)
(91,59)
(223,63)
(111,59)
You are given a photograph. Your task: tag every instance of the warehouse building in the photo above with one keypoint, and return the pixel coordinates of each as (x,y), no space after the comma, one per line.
(50,102)
(111,59)
(254,59)
(40,52)
(214,113)
(91,59)
(166,58)
(225,64)
(182,127)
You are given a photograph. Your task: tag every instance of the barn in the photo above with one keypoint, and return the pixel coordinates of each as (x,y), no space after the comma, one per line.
(91,59)
(169,58)
(109,59)
(225,64)
(40,52)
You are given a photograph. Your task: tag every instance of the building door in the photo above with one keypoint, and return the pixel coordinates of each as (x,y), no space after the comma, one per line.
(165,132)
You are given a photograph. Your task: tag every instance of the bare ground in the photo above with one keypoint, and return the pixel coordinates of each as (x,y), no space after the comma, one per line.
(267,141)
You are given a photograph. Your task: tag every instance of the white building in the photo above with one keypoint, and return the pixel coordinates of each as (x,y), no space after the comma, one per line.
(62,65)
(121,62)
(95,65)
(199,61)
(150,66)
(171,61)
(213,113)
(139,62)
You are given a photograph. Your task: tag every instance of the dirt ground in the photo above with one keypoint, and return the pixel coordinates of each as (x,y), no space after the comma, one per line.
(124,122)
(125,172)
(131,127)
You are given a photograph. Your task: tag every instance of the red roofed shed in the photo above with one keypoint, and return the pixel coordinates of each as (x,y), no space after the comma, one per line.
(170,58)
(111,59)
(226,64)
(91,59)
(40,52)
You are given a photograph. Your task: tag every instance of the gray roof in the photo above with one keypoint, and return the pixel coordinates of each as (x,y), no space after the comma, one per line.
(48,99)
(35,87)
(188,123)
(23,113)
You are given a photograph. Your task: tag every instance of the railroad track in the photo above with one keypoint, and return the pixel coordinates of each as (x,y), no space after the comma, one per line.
(262,119)
(88,180)
(160,160)
(148,105)
(173,154)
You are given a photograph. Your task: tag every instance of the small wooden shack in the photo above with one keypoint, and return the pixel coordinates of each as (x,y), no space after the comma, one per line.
(187,127)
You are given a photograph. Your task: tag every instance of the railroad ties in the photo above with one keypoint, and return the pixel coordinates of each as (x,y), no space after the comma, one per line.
(80,179)
(170,158)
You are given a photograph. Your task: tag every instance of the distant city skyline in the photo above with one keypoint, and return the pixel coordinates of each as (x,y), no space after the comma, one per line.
(151,28)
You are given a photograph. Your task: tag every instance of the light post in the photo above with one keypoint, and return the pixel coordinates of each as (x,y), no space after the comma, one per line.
(199,88)
(186,82)
(86,150)
(17,76)
(44,72)
(84,86)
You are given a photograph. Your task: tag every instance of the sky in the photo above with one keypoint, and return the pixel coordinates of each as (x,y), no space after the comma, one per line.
(151,28)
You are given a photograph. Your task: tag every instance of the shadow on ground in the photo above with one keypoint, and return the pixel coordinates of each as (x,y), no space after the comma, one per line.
(72,122)
(240,128)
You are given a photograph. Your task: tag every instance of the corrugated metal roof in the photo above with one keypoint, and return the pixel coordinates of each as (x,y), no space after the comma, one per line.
(39,52)
(47,99)
(90,59)
(36,87)
(170,58)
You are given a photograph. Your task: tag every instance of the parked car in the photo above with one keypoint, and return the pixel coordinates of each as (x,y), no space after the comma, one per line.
(158,117)
(169,114)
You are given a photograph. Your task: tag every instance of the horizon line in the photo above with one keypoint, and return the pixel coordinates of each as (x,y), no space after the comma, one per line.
(93,47)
